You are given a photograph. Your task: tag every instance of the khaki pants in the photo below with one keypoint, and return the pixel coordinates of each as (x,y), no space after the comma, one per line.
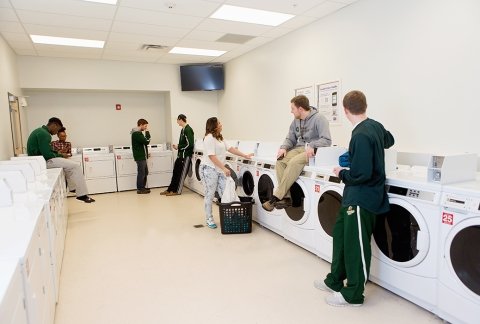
(73,173)
(288,170)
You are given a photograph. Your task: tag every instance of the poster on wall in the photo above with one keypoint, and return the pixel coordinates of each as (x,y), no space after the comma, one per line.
(307,92)
(326,99)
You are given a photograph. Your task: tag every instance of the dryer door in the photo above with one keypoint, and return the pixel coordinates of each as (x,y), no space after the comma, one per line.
(265,188)
(462,256)
(299,210)
(328,205)
(198,160)
(401,236)
(247,183)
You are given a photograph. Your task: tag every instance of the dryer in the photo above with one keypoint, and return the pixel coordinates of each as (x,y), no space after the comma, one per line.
(126,168)
(458,256)
(196,183)
(246,170)
(99,170)
(405,240)
(160,166)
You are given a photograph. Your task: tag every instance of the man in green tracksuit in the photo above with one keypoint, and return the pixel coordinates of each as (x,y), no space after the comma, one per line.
(140,154)
(184,157)
(364,197)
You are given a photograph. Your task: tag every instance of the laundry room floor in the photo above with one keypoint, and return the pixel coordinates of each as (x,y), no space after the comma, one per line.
(138,259)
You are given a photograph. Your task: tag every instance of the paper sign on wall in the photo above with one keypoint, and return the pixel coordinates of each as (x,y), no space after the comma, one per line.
(326,99)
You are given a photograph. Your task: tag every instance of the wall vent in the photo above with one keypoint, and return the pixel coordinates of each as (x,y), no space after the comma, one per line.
(147,47)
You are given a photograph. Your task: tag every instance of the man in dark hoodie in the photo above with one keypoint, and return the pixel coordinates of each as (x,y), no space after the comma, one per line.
(308,131)
(364,197)
(140,154)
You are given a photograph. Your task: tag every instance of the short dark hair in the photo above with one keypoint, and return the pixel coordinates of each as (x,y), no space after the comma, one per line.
(301,101)
(55,120)
(355,102)
(62,130)
(182,117)
(141,122)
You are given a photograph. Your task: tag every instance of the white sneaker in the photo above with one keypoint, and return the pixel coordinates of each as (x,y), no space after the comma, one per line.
(336,299)
(319,284)
(211,223)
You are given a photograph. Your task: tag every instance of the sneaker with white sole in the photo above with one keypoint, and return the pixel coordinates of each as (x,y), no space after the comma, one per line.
(211,223)
(336,299)
(319,284)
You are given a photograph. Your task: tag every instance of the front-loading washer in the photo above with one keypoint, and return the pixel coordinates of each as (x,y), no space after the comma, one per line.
(246,169)
(99,169)
(458,256)
(126,168)
(405,239)
(196,183)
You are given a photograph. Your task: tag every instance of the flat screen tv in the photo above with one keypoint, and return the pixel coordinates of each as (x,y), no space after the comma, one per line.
(202,77)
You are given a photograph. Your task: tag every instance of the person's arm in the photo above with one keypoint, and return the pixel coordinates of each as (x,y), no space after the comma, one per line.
(68,149)
(43,140)
(291,139)
(147,137)
(188,136)
(361,167)
(323,132)
(388,139)
(139,138)
(239,153)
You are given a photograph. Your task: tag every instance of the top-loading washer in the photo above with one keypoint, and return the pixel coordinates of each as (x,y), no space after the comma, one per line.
(458,256)
(126,168)
(405,244)
(99,170)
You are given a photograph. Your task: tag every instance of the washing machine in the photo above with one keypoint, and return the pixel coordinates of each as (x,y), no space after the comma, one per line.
(405,240)
(99,170)
(246,170)
(196,180)
(160,166)
(459,259)
(126,168)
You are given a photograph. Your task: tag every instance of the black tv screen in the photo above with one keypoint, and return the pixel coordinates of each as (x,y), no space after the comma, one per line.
(204,77)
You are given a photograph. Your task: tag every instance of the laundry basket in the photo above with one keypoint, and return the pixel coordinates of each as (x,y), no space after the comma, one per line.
(236,217)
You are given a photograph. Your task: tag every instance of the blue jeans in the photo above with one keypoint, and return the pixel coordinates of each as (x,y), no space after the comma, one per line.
(212,180)
(142,173)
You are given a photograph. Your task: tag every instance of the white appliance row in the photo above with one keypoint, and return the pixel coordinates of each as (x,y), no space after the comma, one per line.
(33,226)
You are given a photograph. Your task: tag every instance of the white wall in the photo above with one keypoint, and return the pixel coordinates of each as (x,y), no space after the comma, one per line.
(40,73)
(91,118)
(416,61)
(8,83)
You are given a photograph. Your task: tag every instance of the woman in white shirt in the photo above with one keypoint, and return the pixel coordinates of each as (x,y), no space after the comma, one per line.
(213,170)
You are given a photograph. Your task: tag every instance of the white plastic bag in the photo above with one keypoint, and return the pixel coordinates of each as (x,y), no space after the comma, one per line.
(229,194)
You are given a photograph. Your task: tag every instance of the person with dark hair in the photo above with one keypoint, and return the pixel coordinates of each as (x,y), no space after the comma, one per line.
(212,170)
(61,145)
(39,144)
(364,197)
(184,157)
(308,131)
(140,154)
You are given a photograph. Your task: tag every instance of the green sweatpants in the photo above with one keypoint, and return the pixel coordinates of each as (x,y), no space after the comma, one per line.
(351,253)
(288,170)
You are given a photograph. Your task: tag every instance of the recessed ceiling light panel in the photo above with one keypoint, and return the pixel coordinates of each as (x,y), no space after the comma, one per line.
(196,51)
(252,16)
(63,41)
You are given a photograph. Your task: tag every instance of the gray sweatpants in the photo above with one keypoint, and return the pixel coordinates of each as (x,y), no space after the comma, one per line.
(73,173)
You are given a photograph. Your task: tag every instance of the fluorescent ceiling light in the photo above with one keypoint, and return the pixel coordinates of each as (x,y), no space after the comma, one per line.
(253,16)
(113,2)
(51,40)
(196,51)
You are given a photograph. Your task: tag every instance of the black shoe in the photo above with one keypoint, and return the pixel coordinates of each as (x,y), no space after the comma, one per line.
(73,191)
(86,199)
(147,189)
(143,191)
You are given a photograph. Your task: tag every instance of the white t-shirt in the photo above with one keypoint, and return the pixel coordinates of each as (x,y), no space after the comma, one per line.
(212,146)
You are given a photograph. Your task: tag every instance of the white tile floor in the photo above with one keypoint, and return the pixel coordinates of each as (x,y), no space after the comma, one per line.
(137,259)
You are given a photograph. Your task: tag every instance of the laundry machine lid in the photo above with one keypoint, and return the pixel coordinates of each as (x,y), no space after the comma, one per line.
(461,253)
(401,236)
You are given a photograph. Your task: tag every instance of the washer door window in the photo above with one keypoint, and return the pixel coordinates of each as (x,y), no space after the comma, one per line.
(462,248)
(299,208)
(265,188)
(247,183)
(401,235)
(329,204)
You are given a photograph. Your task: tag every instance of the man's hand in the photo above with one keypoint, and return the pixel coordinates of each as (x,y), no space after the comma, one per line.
(281,154)
(337,170)
(310,152)
(175,146)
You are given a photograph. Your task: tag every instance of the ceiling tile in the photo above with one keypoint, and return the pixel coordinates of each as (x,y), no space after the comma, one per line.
(291,7)
(233,27)
(206,45)
(277,32)
(204,35)
(198,8)
(346,1)
(297,22)
(183,59)
(38,18)
(156,18)
(113,57)
(5,4)
(142,39)
(324,9)
(134,28)
(25,52)
(7,14)
(21,45)
(67,7)
(21,37)
(11,26)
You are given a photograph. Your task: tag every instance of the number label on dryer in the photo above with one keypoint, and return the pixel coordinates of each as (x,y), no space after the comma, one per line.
(447,218)
(258,173)
(317,188)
